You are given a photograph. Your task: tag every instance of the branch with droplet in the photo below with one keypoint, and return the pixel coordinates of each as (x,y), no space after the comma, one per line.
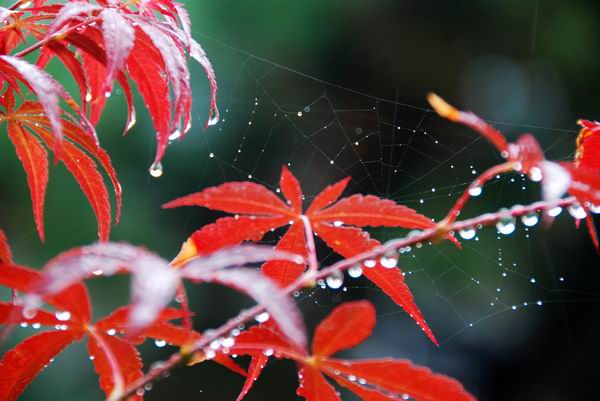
(435,234)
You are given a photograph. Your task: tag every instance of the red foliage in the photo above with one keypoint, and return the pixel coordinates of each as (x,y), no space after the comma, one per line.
(347,326)
(334,221)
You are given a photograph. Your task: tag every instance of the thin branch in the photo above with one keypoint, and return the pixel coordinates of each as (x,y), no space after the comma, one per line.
(433,234)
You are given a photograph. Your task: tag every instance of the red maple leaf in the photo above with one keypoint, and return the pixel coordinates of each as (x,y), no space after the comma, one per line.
(110,347)
(580,178)
(372,380)
(337,222)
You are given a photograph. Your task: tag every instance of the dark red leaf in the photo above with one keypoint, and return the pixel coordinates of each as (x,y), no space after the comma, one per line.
(5,253)
(286,272)
(399,377)
(313,386)
(22,364)
(369,210)
(588,145)
(290,187)
(348,242)
(116,362)
(258,362)
(236,197)
(34,159)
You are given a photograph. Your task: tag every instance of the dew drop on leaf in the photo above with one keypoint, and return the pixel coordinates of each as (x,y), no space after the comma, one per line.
(213,120)
(268,352)
(175,135)
(156,169)
(160,343)
(63,316)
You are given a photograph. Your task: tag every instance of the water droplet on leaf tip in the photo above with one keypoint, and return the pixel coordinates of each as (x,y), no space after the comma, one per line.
(156,169)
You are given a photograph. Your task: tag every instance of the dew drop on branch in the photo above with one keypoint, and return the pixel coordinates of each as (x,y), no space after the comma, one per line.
(335,280)
(577,211)
(530,219)
(262,317)
(355,271)
(506,226)
(467,233)
(475,191)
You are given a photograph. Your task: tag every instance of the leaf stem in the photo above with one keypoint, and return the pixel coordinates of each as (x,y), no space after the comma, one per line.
(427,235)
(313,264)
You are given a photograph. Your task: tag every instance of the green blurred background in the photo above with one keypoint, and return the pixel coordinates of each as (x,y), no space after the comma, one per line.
(362,69)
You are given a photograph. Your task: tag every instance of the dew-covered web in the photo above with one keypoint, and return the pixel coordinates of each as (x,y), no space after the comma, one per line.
(272,115)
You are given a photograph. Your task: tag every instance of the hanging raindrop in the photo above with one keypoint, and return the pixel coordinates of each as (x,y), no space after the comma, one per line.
(467,233)
(577,211)
(506,226)
(355,271)
(335,280)
(555,211)
(160,343)
(475,191)
(530,219)
(389,261)
(63,316)
(156,169)
(595,209)
(262,317)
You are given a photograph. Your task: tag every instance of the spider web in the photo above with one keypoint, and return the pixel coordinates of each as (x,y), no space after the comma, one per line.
(273,115)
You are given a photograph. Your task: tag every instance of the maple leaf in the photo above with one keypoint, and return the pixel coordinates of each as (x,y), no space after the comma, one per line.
(155,281)
(26,127)
(580,178)
(5,253)
(335,222)
(111,340)
(373,380)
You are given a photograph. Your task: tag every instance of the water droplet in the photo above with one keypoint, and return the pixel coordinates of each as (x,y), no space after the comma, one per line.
(369,263)
(29,313)
(475,191)
(389,261)
(148,386)
(307,109)
(555,211)
(535,174)
(532,280)
(228,342)
(97,272)
(210,354)
(577,211)
(338,223)
(175,135)
(268,352)
(160,343)
(211,155)
(24,324)
(36,325)
(63,316)
(467,233)
(506,226)
(335,280)
(530,219)
(213,120)
(156,169)
(107,94)
(595,209)
(262,317)
(299,114)
(111,332)
(355,271)
(88,97)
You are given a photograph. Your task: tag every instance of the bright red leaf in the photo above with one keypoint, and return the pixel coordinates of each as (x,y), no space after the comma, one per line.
(336,223)
(373,380)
